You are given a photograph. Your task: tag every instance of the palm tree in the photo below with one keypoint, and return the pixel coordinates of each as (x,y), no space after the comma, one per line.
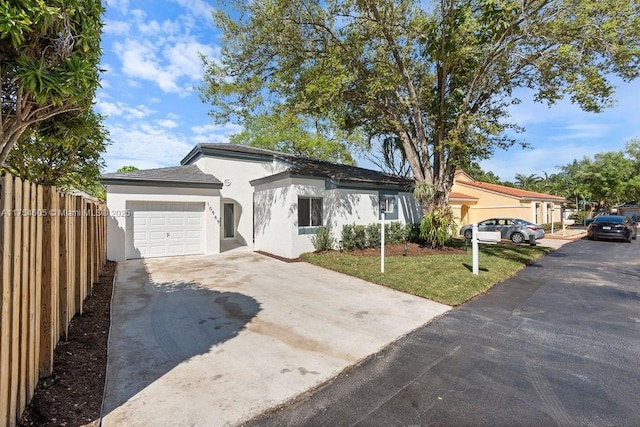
(527,182)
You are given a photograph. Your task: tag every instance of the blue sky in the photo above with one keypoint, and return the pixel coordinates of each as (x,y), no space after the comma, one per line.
(154,115)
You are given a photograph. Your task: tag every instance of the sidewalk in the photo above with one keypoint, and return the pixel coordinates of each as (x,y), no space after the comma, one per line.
(561,237)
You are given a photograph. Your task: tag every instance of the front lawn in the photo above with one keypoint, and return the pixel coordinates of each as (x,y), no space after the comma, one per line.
(446,278)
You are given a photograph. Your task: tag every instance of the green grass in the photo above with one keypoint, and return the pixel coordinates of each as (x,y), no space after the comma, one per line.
(444,278)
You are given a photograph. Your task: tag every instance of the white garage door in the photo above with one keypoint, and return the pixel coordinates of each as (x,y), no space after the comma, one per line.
(158,229)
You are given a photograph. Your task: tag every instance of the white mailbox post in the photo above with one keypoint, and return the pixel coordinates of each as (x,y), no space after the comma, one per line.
(490,237)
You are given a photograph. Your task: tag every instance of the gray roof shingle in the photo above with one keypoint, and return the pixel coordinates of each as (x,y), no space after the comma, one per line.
(305,166)
(189,175)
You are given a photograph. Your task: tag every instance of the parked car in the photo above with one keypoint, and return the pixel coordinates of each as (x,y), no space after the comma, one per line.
(588,221)
(612,227)
(515,229)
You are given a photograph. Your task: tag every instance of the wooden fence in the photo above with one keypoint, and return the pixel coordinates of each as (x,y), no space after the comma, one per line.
(52,248)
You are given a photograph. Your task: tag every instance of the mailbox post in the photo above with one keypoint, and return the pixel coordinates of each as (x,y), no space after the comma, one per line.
(474,247)
(383,212)
(487,237)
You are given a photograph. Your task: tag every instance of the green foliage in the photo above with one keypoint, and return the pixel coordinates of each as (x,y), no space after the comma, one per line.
(556,226)
(449,280)
(527,182)
(374,237)
(289,133)
(364,236)
(65,151)
(49,56)
(127,168)
(322,240)
(434,78)
(437,226)
(412,233)
(579,216)
(607,179)
(393,232)
(477,173)
(348,237)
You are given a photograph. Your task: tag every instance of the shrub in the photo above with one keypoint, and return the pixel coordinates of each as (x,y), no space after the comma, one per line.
(322,240)
(373,234)
(359,236)
(347,237)
(364,236)
(437,226)
(579,217)
(556,226)
(394,233)
(411,232)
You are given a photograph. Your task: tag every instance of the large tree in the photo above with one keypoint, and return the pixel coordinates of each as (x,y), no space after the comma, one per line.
(289,133)
(49,55)
(436,77)
(65,151)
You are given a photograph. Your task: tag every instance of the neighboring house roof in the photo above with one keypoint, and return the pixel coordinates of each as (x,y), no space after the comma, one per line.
(460,197)
(299,166)
(514,192)
(464,179)
(177,176)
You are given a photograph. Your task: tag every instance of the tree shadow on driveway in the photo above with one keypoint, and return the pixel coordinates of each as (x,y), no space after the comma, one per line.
(157,326)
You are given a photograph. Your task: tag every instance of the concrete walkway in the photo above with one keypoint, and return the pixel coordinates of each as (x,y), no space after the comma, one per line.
(216,340)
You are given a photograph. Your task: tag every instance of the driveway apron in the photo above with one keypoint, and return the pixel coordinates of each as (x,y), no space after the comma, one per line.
(216,340)
(557,344)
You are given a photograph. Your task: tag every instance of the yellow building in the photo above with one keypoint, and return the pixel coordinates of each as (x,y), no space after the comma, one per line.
(474,201)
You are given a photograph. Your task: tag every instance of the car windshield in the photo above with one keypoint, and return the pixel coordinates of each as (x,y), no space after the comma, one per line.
(609,218)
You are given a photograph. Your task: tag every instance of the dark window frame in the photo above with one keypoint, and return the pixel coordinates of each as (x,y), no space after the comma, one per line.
(315,212)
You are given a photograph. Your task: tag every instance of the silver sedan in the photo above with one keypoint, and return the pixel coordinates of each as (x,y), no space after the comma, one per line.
(515,229)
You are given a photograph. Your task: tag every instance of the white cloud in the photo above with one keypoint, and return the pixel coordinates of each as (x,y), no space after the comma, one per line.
(144,146)
(199,8)
(120,5)
(115,109)
(205,131)
(167,123)
(118,28)
(581,131)
(174,66)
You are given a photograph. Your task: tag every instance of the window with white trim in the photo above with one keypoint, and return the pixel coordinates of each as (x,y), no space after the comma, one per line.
(309,211)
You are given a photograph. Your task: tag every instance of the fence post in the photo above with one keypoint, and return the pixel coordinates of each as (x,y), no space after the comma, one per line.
(79,242)
(16,293)
(5,301)
(49,306)
(63,284)
(25,292)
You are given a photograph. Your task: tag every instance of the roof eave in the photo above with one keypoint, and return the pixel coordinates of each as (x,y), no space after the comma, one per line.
(155,183)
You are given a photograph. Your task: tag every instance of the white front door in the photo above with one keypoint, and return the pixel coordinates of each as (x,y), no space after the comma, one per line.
(159,229)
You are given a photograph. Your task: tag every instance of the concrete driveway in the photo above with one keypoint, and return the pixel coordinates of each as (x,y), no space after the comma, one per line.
(216,340)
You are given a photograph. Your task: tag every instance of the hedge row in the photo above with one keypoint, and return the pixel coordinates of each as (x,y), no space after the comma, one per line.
(363,236)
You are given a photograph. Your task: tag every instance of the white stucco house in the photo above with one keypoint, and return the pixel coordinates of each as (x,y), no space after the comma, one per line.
(227,195)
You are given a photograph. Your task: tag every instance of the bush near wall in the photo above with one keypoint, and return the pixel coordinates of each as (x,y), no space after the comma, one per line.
(355,236)
(322,240)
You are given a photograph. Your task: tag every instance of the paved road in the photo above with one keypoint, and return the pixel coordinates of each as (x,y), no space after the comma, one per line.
(558,344)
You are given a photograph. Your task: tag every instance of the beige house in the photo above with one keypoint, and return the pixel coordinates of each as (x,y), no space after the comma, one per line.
(474,201)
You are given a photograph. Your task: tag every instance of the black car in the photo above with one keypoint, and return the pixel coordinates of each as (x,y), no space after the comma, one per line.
(612,227)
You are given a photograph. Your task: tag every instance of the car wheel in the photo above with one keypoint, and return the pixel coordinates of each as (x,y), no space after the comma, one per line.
(517,238)
(468,234)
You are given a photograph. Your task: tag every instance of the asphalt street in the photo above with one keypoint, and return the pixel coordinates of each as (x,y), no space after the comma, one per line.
(557,344)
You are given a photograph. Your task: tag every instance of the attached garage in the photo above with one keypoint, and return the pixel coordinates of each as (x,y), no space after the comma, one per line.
(159,229)
(162,212)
